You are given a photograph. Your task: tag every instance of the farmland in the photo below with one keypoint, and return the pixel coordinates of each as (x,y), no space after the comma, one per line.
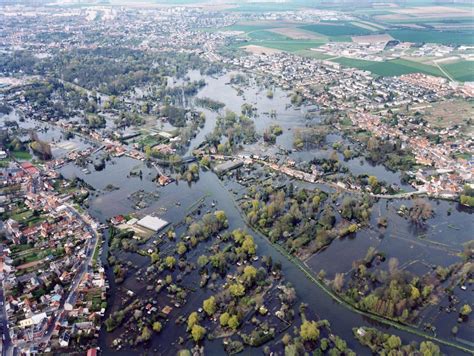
(277,41)
(341,29)
(249,27)
(462,71)
(312,54)
(432,36)
(260,50)
(267,36)
(297,33)
(389,68)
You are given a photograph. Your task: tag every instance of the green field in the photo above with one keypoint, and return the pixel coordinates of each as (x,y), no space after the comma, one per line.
(260,35)
(263,35)
(462,71)
(21,155)
(250,28)
(341,29)
(312,54)
(276,41)
(433,36)
(390,68)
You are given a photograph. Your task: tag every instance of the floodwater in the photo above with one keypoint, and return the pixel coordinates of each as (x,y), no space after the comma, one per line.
(400,239)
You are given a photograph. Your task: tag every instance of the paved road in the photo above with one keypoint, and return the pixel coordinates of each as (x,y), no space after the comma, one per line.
(332,184)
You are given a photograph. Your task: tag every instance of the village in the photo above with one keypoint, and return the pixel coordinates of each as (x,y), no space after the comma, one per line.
(54,285)
(369,105)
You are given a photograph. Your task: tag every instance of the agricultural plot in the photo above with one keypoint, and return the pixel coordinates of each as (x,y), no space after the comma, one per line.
(260,50)
(297,33)
(375,25)
(312,54)
(462,71)
(389,68)
(267,36)
(268,39)
(433,36)
(372,38)
(365,26)
(249,27)
(340,29)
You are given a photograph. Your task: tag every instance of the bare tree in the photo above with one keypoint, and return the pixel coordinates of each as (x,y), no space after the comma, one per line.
(393,265)
(338,282)
(421,211)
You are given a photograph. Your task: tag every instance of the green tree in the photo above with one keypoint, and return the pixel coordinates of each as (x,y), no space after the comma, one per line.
(205,161)
(224,319)
(415,293)
(347,153)
(181,248)
(427,348)
(193,319)
(202,261)
(146,334)
(194,169)
(250,272)
(373,181)
(237,290)
(316,200)
(467,200)
(155,257)
(309,331)
(209,305)
(248,246)
(157,326)
(221,218)
(394,342)
(198,332)
(465,310)
(233,322)
(170,262)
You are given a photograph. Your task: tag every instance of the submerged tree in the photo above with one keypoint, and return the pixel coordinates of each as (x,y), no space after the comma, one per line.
(421,211)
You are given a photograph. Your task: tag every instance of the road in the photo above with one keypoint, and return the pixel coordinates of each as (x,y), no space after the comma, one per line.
(404,195)
(443,71)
